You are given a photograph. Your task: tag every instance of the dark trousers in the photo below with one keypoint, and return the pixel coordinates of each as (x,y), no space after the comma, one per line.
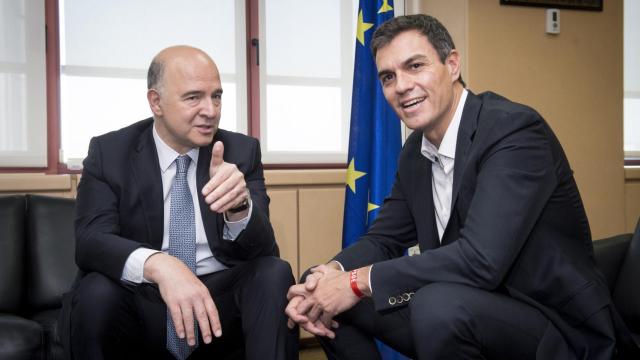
(112,320)
(452,321)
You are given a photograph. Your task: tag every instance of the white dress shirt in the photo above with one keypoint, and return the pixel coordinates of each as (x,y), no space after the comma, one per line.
(206,263)
(442,161)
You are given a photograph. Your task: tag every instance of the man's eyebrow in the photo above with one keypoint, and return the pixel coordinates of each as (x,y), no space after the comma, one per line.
(414,58)
(383,72)
(408,61)
(200,92)
(192,93)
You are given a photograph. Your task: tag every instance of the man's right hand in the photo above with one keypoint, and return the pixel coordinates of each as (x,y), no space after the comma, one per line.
(185,295)
(298,310)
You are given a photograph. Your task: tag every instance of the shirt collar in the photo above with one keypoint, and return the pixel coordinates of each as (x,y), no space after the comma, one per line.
(166,155)
(446,153)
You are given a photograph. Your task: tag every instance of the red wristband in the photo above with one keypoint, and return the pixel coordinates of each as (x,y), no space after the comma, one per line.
(353,281)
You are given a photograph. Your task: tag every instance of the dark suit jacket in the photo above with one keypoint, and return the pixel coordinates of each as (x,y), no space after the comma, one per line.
(517,222)
(120,205)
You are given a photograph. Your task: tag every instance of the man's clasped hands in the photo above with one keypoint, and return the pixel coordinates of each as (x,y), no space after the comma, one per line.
(326,292)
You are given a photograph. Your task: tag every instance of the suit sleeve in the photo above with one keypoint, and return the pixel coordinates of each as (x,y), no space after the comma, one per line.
(257,239)
(99,247)
(515,179)
(390,235)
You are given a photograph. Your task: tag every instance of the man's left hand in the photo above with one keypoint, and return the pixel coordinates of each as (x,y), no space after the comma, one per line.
(329,294)
(226,188)
(332,294)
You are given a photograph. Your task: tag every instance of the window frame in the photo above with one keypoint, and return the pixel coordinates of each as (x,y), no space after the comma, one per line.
(52,16)
(51,93)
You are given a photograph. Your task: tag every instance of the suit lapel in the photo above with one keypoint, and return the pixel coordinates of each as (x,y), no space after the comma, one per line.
(146,171)
(466,132)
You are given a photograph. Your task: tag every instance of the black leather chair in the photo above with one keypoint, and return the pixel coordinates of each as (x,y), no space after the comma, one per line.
(37,247)
(618,258)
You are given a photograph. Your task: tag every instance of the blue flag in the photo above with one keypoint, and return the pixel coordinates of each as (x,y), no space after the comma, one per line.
(374,137)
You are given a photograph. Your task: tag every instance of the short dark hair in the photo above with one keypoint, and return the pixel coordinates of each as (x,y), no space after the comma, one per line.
(154,75)
(426,25)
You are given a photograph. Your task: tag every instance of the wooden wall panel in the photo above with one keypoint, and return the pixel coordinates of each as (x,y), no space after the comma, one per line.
(320,218)
(41,184)
(284,219)
(320,226)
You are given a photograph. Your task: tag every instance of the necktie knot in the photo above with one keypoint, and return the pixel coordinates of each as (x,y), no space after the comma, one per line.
(182,164)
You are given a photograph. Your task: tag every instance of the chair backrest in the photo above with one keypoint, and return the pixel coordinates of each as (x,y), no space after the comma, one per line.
(12,251)
(626,294)
(50,249)
(609,254)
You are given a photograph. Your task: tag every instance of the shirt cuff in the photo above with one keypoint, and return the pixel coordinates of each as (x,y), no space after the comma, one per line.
(370,284)
(232,229)
(134,266)
(339,264)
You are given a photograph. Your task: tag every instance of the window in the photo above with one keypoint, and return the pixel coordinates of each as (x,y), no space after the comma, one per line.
(306,79)
(297,101)
(106,48)
(631,81)
(23,110)
(305,72)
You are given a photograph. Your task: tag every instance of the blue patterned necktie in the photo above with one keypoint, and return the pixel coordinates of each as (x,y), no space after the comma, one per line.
(182,244)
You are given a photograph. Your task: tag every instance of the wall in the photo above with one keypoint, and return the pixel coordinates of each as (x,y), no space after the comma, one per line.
(306,214)
(573,79)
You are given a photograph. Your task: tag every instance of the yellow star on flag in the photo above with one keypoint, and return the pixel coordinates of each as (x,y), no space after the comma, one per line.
(353,175)
(362,28)
(371,206)
(385,7)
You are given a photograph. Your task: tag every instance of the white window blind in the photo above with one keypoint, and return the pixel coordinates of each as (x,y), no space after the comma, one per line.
(306,75)
(631,78)
(23,100)
(106,48)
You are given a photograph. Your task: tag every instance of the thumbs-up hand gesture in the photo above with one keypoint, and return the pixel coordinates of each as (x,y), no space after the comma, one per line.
(226,189)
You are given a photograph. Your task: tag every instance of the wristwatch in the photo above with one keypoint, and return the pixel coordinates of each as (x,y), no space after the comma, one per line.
(242,207)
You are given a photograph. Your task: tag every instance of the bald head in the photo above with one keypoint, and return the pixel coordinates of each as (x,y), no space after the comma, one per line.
(174,56)
(185,96)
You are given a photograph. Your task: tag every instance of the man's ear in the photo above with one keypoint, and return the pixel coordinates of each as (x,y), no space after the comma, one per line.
(154,101)
(453,65)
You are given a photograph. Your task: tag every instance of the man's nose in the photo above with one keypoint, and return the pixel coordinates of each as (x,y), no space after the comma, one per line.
(210,107)
(404,83)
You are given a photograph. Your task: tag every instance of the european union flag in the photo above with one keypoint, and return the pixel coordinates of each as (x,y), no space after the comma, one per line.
(374,138)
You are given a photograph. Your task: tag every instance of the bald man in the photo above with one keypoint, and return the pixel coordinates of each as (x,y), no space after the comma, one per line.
(176,251)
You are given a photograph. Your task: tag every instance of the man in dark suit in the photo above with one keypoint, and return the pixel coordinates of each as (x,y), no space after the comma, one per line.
(174,242)
(506,268)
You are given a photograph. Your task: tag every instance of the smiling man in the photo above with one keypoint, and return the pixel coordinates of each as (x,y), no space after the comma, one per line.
(174,243)
(483,186)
